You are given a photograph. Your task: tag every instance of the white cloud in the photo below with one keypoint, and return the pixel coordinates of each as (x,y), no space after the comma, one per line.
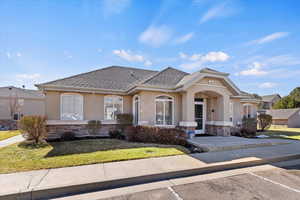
(131,57)
(28,76)
(220,10)
(269,38)
(254,70)
(111,7)
(197,60)
(8,54)
(184,38)
(19,54)
(267,85)
(156,36)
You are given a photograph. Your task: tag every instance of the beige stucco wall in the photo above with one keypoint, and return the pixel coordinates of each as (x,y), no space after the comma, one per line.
(147,112)
(93,105)
(30,107)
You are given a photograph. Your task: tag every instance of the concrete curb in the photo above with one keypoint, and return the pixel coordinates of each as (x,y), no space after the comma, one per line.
(46,193)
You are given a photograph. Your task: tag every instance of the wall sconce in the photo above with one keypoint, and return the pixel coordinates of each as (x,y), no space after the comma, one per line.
(212,110)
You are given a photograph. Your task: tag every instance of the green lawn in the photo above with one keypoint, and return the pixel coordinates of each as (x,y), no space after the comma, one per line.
(19,157)
(288,133)
(7,134)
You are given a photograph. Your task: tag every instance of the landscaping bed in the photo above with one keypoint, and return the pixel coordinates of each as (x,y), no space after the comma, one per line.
(8,134)
(22,157)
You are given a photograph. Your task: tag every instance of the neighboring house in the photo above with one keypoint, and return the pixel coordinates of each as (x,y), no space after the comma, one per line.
(17,102)
(206,101)
(285,117)
(268,101)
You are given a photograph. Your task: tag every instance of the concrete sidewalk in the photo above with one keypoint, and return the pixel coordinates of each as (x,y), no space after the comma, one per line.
(55,182)
(12,140)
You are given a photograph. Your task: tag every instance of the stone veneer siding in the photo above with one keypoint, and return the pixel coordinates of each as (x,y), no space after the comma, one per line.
(80,131)
(218,130)
(10,124)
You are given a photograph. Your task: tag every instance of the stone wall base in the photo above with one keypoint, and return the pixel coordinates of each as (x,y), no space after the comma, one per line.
(218,130)
(9,124)
(80,131)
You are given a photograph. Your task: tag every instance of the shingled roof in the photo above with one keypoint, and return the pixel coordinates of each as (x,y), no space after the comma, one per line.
(167,78)
(282,113)
(269,98)
(112,78)
(20,93)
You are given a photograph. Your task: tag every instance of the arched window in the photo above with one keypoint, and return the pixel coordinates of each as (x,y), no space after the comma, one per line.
(71,107)
(113,105)
(247,111)
(164,108)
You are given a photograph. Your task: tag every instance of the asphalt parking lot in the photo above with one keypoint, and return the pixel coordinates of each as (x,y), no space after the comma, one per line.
(271,184)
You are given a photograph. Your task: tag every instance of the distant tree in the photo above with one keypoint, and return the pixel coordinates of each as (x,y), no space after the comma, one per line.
(264,121)
(290,101)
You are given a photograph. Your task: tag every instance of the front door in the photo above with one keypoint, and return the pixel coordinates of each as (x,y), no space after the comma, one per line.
(199,117)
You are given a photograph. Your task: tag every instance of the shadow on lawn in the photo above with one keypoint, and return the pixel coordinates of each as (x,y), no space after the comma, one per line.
(94,145)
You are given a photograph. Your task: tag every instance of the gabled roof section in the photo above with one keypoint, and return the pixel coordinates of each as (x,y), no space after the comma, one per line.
(189,80)
(110,78)
(167,78)
(20,93)
(270,98)
(282,113)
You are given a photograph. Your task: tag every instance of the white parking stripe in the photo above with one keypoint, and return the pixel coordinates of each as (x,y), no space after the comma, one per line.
(175,194)
(274,182)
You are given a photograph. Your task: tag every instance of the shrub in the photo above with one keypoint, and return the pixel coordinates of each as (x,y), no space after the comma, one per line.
(33,128)
(249,127)
(68,136)
(94,126)
(116,134)
(156,135)
(264,121)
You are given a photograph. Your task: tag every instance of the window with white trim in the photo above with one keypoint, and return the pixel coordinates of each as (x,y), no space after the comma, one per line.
(164,110)
(113,105)
(247,110)
(231,111)
(71,107)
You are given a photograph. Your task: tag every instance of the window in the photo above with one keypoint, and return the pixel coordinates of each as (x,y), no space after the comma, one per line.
(136,111)
(71,107)
(231,111)
(113,105)
(247,112)
(164,110)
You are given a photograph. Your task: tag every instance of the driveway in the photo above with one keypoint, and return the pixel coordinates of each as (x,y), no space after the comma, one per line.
(218,143)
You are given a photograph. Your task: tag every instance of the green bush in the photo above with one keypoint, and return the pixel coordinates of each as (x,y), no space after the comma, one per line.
(264,121)
(33,128)
(147,134)
(94,126)
(249,127)
(116,134)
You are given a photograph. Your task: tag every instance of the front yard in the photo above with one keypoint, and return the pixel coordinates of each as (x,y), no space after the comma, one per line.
(8,134)
(288,133)
(19,157)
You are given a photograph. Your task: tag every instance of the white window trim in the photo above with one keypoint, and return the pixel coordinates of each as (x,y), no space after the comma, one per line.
(71,94)
(133,108)
(251,110)
(113,96)
(173,111)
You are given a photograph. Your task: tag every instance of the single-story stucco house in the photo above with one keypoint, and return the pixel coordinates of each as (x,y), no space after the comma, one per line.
(206,101)
(268,101)
(289,118)
(17,102)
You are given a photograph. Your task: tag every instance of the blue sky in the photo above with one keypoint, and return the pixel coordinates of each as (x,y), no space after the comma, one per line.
(256,41)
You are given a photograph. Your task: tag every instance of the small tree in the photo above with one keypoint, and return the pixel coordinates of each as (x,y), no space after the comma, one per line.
(264,121)
(14,104)
(94,126)
(33,128)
